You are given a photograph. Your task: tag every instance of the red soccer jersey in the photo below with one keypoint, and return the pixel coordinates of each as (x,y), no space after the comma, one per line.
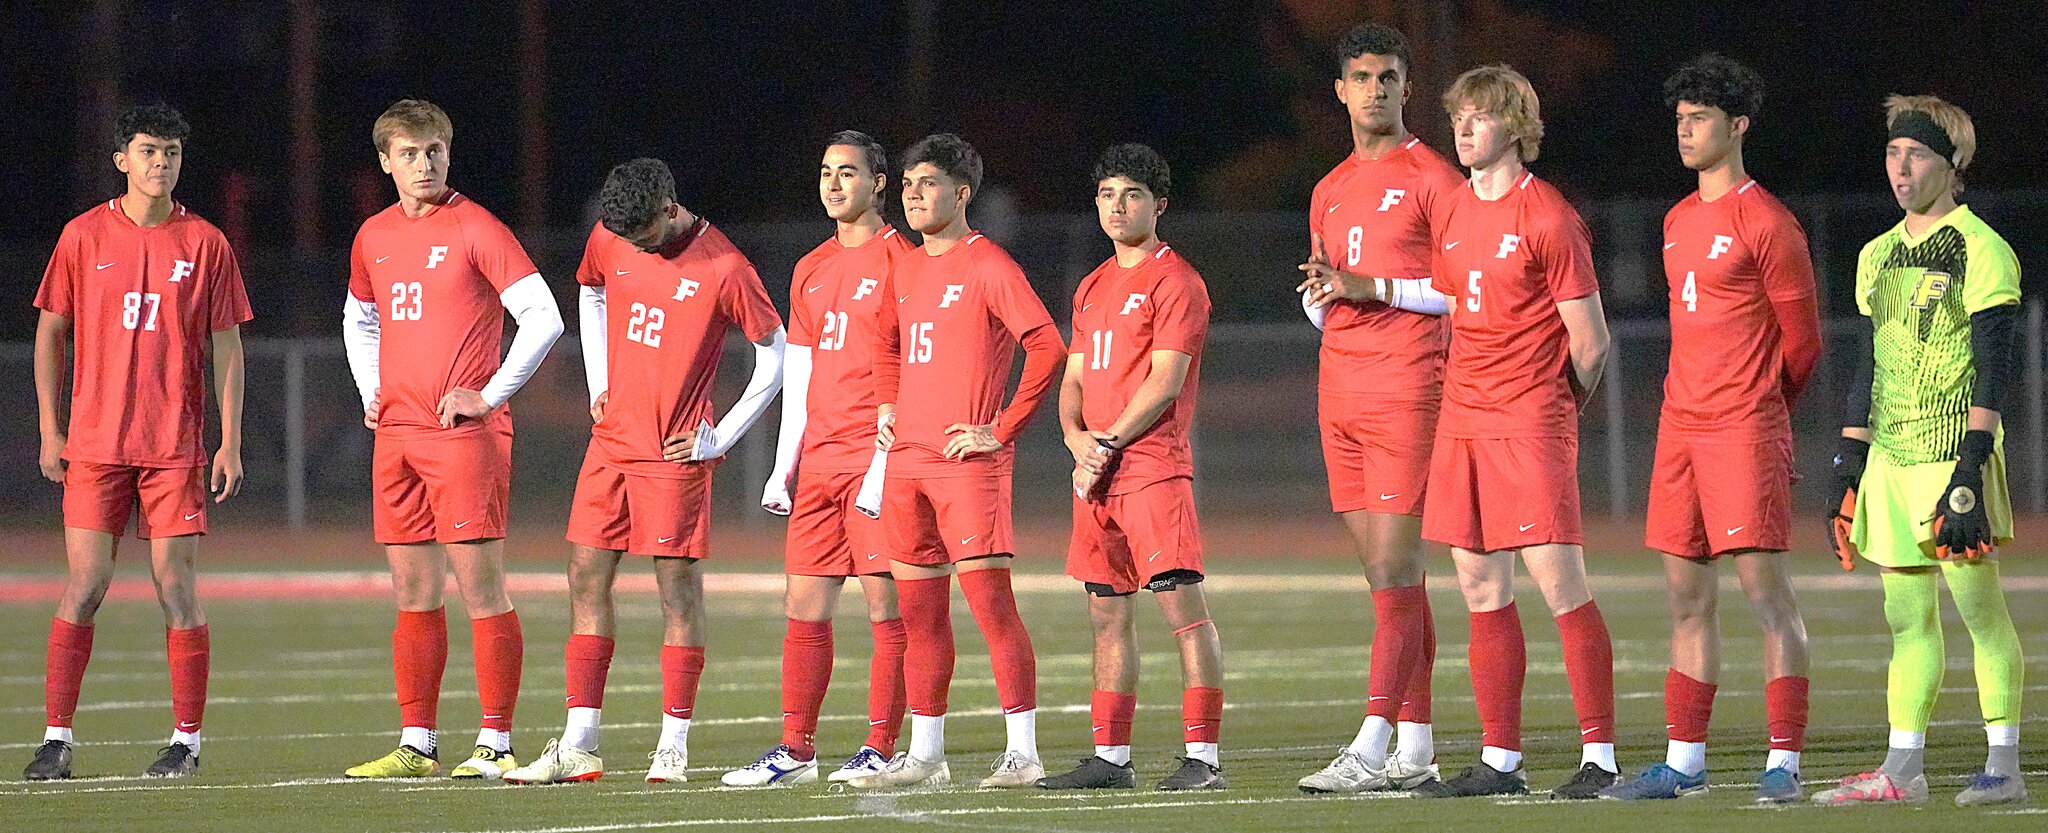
(835,307)
(144,304)
(665,322)
(1507,264)
(1728,261)
(435,279)
(1122,315)
(958,317)
(1372,217)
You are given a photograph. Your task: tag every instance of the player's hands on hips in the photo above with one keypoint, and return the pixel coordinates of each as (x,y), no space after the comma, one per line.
(597,406)
(227,474)
(372,414)
(679,447)
(885,427)
(51,458)
(459,403)
(971,439)
(1962,529)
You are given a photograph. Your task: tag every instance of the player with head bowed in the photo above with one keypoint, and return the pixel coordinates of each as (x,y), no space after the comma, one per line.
(659,289)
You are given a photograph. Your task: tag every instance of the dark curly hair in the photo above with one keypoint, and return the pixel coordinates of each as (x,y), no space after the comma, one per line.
(1137,163)
(1374,39)
(948,153)
(1714,80)
(634,194)
(157,120)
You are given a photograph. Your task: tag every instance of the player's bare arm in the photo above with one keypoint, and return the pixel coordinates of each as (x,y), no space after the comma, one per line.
(1079,440)
(52,330)
(1586,325)
(228,380)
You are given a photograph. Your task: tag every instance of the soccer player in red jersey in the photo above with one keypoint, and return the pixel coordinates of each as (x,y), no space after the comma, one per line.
(1367,286)
(660,287)
(141,286)
(962,306)
(1126,407)
(1528,341)
(431,279)
(828,423)
(1745,333)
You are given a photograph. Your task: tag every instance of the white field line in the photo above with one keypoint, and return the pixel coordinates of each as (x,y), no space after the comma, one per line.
(873,808)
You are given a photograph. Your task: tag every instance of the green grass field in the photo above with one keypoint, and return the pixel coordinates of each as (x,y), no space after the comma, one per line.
(301,688)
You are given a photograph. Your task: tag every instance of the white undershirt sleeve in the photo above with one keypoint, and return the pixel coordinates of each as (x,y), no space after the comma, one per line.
(715,441)
(869,500)
(1416,295)
(539,322)
(590,329)
(1315,314)
(361,332)
(796,382)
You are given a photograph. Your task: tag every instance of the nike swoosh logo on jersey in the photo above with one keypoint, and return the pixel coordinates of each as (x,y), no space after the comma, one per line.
(191,516)
(902,299)
(102,267)
(872,555)
(963,541)
(664,540)
(382,259)
(1153,557)
(1452,245)
(814,289)
(1527,527)
(622,271)
(1733,530)
(1669,245)
(461,525)
(1333,207)
(1084,307)
(1390,497)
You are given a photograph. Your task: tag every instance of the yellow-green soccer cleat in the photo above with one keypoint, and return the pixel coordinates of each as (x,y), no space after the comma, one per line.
(485,763)
(403,762)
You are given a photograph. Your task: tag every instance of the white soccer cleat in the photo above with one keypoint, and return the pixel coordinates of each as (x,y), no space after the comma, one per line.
(776,768)
(867,761)
(666,765)
(1013,770)
(558,764)
(1402,775)
(906,773)
(1347,773)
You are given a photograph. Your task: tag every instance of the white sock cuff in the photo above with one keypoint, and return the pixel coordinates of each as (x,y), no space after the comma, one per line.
(1505,760)
(1908,740)
(2002,735)
(62,733)
(1119,755)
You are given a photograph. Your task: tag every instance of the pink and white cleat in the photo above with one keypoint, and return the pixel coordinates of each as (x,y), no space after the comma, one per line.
(1875,788)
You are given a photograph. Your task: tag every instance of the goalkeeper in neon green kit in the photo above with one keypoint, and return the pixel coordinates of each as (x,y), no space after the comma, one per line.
(1920,459)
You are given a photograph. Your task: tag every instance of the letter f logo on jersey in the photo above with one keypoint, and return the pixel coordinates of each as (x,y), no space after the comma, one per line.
(685,288)
(867,285)
(1393,198)
(1132,302)
(1508,243)
(1932,286)
(1722,243)
(435,255)
(179,269)
(953,291)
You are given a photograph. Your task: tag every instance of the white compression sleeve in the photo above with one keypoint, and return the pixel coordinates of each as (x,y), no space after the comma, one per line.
(796,382)
(361,333)
(713,442)
(540,323)
(1416,295)
(590,330)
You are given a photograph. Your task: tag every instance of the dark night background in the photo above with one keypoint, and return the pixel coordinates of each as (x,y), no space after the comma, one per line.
(738,96)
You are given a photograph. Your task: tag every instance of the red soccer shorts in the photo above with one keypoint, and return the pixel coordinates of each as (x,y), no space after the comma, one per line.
(1125,539)
(100,496)
(1709,498)
(642,515)
(1503,494)
(930,521)
(827,536)
(448,489)
(1376,453)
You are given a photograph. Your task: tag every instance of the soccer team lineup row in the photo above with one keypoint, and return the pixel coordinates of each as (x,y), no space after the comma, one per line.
(1461,333)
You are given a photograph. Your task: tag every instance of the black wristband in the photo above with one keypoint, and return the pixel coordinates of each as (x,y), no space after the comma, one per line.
(1107,444)
(1975,449)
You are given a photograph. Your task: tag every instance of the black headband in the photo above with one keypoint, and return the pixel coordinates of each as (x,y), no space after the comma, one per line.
(1920,127)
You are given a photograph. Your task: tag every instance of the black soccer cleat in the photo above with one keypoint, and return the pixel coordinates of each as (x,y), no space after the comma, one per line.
(174,761)
(51,763)
(1477,780)
(1094,773)
(1586,783)
(1193,775)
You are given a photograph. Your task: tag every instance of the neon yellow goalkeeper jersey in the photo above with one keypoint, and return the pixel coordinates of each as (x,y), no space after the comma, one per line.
(1919,295)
